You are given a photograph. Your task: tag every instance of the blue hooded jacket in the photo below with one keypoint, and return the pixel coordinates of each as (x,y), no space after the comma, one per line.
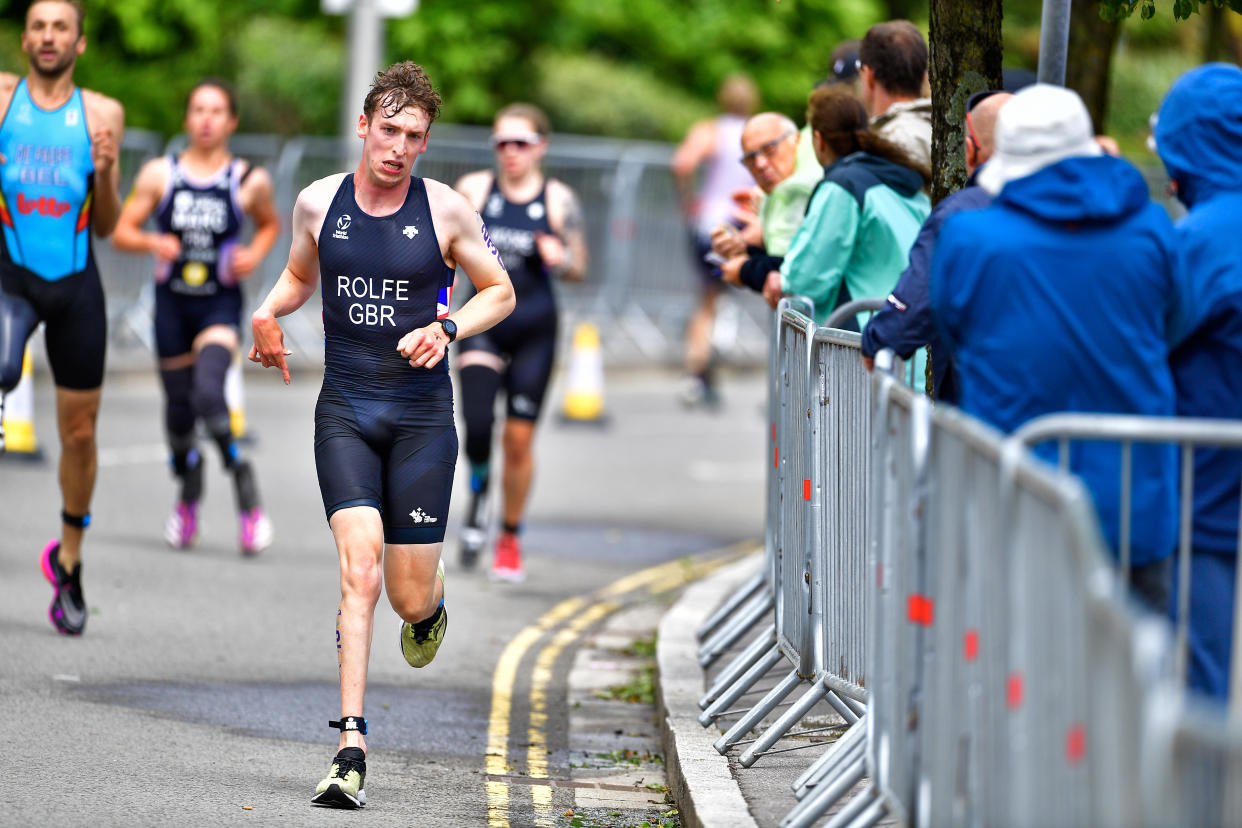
(1199,137)
(1057,297)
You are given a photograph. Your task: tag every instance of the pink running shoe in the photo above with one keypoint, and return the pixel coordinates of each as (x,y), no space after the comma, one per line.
(507,564)
(181,528)
(256,531)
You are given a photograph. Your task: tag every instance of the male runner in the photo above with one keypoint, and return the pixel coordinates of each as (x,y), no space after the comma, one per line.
(536,223)
(200,199)
(387,244)
(59,181)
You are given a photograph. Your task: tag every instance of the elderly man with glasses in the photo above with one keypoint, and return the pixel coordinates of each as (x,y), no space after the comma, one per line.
(770,153)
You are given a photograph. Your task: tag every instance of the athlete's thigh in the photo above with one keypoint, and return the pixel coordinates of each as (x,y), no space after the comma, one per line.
(218,320)
(529,371)
(350,470)
(77,335)
(419,477)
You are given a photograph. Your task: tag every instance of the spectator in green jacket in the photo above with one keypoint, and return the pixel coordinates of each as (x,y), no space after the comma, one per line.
(863,216)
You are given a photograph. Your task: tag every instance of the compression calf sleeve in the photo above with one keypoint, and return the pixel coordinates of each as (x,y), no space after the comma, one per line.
(207,397)
(178,409)
(17,320)
(479,386)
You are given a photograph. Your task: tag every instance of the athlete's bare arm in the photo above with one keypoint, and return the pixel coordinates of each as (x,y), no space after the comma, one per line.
(298,280)
(475,186)
(257,202)
(105,121)
(149,188)
(463,242)
(565,216)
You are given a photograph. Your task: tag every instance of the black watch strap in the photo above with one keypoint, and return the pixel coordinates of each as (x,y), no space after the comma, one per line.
(449,327)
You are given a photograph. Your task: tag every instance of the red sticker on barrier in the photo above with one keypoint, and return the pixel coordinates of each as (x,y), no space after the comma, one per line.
(920,610)
(806,490)
(1013,691)
(773,432)
(972,645)
(1075,744)
(776,457)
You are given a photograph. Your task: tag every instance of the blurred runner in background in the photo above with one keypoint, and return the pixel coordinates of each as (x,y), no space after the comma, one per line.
(536,224)
(199,200)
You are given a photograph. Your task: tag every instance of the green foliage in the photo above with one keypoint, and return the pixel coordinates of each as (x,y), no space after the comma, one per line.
(1182,9)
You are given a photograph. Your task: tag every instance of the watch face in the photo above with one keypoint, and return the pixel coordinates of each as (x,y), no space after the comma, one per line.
(450,328)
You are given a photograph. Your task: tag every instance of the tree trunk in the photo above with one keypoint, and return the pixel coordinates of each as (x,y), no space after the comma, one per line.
(965,58)
(1088,69)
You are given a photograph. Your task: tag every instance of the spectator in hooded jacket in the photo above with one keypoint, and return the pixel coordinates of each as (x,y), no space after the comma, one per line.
(905,323)
(864,215)
(892,71)
(1057,297)
(1198,135)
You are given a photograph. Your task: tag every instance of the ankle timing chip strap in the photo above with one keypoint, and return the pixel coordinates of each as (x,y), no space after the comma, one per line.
(76,521)
(351,723)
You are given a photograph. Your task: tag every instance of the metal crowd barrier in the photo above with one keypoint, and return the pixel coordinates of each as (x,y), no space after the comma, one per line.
(1009,680)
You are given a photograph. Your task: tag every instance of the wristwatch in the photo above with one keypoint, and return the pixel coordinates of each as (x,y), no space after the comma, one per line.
(450,328)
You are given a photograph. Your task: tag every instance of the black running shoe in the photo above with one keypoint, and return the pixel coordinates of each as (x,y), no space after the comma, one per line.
(342,787)
(68,610)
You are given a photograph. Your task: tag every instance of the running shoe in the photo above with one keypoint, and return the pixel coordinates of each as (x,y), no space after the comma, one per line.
(68,610)
(507,564)
(420,642)
(342,787)
(256,531)
(181,528)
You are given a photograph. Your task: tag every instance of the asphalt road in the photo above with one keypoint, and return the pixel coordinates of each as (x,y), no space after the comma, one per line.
(201,690)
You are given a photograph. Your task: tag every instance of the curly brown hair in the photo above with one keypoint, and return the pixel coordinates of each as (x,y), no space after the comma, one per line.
(399,86)
(841,122)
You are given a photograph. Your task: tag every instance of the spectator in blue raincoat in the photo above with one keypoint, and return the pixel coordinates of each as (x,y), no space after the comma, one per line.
(1198,135)
(1057,297)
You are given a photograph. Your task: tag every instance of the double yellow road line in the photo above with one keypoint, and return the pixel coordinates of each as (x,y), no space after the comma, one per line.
(573,617)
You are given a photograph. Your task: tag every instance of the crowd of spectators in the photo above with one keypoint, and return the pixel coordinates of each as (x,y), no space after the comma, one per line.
(1051,282)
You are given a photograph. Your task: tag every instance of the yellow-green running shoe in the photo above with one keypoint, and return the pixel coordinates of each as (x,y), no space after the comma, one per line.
(342,787)
(419,642)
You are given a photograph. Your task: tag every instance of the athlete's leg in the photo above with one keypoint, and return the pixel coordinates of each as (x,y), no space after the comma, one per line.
(177,378)
(519,438)
(410,579)
(481,373)
(699,346)
(76,414)
(359,535)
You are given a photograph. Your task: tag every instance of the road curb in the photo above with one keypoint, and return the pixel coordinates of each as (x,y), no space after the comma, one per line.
(699,778)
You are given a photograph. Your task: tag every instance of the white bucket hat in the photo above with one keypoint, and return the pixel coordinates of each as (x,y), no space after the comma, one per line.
(1038,127)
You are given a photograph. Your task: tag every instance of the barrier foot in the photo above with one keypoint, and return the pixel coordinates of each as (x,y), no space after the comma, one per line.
(738,688)
(843,708)
(807,812)
(739,665)
(855,705)
(870,816)
(755,715)
(864,801)
(743,594)
(728,635)
(842,754)
(782,725)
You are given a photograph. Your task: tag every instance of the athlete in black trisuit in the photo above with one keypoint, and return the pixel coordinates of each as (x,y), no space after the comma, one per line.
(386,245)
(199,200)
(536,224)
(59,183)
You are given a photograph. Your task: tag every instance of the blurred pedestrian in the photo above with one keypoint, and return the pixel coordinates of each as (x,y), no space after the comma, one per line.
(770,151)
(386,243)
(905,324)
(200,199)
(1198,135)
(60,180)
(1057,296)
(536,224)
(714,144)
(863,215)
(892,67)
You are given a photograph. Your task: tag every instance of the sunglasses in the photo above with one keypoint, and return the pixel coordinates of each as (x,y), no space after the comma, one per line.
(767,149)
(518,142)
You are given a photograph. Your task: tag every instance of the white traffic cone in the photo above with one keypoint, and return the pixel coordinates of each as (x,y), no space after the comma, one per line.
(235,397)
(19,429)
(584,394)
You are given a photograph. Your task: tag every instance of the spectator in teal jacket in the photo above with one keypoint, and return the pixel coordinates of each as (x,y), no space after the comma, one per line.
(862,218)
